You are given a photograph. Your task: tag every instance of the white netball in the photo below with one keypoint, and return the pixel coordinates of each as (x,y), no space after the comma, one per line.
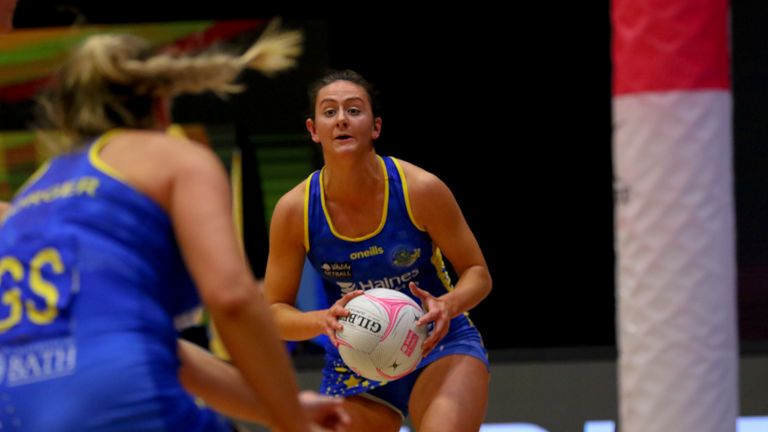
(380,339)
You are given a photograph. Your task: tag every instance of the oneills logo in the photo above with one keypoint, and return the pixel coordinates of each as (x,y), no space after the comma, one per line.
(371,251)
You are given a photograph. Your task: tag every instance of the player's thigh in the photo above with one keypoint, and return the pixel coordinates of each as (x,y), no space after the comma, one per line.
(450,395)
(369,416)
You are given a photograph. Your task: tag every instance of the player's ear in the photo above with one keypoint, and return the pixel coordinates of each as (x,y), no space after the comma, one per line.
(312,131)
(376,128)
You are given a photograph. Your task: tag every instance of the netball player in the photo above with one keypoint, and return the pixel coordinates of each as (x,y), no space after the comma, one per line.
(405,220)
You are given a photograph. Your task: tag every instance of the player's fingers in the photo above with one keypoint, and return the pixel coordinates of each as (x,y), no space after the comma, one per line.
(332,336)
(441,329)
(418,292)
(332,320)
(429,343)
(325,411)
(426,349)
(427,318)
(438,332)
(338,310)
(317,428)
(338,420)
(344,418)
(349,296)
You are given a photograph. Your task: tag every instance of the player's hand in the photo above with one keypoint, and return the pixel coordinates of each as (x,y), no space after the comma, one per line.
(435,311)
(331,322)
(326,413)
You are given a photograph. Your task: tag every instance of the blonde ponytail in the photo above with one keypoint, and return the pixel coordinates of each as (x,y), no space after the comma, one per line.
(113,80)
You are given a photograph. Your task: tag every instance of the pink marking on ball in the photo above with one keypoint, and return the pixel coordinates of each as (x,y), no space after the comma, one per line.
(411,339)
(392,306)
(345,343)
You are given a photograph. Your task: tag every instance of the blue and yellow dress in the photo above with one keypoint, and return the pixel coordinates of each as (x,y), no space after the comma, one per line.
(92,282)
(396,253)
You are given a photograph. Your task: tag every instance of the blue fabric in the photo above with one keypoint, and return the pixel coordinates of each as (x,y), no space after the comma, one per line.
(99,278)
(392,257)
(398,254)
(339,380)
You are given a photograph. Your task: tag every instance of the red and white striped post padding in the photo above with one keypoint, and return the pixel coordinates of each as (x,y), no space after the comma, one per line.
(675,228)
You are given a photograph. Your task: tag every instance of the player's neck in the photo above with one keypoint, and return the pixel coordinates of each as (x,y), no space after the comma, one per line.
(350,180)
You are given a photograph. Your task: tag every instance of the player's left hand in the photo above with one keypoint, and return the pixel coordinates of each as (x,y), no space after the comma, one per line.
(326,413)
(437,312)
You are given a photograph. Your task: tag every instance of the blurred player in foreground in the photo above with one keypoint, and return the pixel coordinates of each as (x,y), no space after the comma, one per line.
(110,246)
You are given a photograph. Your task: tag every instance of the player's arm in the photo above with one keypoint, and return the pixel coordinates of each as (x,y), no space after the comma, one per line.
(436,210)
(199,202)
(224,389)
(283,275)
(284,267)
(219,384)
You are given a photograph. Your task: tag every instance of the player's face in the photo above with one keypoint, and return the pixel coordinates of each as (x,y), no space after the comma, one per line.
(344,119)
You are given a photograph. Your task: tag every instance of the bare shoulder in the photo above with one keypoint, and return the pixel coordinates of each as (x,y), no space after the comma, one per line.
(155,162)
(180,153)
(421,183)
(288,218)
(159,148)
(291,204)
(430,199)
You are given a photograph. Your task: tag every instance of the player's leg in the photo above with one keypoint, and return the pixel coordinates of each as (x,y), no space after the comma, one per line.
(368,415)
(451,395)
(380,408)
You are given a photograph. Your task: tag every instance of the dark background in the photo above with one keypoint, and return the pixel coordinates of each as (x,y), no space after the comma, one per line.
(511,108)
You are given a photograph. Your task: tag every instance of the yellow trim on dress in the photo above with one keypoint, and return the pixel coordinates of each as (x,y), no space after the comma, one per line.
(307,187)
(383,213)
(97,162)
(175,130)
(442,272)
(406,195)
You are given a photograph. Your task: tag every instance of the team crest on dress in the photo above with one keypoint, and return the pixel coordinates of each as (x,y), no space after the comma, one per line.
(404,257)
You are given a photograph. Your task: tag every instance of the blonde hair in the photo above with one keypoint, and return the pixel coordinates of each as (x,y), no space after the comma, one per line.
(114,80)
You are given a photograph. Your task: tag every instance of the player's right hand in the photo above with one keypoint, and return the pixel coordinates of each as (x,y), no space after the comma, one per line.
(331,322)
